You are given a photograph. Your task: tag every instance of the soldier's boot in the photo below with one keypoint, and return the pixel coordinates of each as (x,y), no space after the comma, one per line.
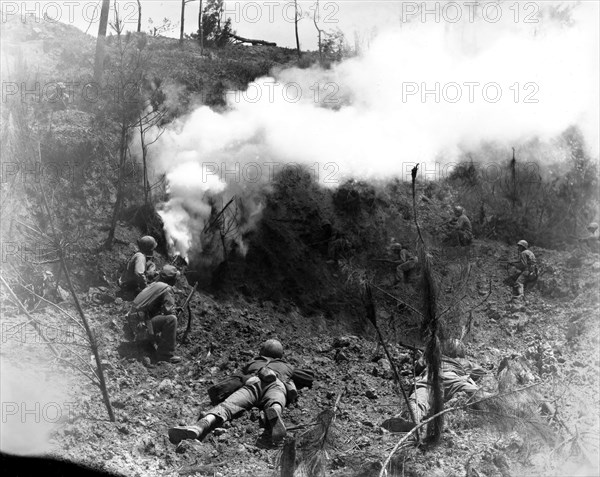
(278,430)
(518,293)
(180,433)
(520,289)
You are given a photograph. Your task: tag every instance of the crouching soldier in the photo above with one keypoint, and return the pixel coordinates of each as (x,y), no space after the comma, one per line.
(153,315)
(268,386)
(527,267)
(140,269)
(406,262)
(460,231)
(592,241)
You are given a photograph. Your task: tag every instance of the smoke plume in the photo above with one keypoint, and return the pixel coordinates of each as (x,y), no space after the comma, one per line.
(424,92)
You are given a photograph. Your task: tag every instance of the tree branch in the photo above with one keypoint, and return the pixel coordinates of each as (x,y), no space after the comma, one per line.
(383,471)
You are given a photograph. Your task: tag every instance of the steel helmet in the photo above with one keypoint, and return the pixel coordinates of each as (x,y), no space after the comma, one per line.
(396,246)
(523,243)
(147,244)
(593,226)
(458,209)
(271,349)
(169,272)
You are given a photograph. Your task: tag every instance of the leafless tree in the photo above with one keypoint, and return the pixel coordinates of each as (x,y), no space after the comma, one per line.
(296,20)
(100,42)
(139,25)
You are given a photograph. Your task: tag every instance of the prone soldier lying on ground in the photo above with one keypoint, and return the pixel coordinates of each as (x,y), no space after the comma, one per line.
(267,384)
(458,375)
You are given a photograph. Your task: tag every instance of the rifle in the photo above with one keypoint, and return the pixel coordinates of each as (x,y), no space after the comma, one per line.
(187,304)
(583,239)
(410,347)
(384,260)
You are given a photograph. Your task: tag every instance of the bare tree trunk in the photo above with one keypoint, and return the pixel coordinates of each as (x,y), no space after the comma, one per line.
(288,458)
(201,29)
(90,334)
(430,327)
(139,28)
(182,22)
(122,158)
(145,165)
(319,31)
(296,28)
(100,41)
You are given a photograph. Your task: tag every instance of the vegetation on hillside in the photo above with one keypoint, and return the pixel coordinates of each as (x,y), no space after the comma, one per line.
(301,271)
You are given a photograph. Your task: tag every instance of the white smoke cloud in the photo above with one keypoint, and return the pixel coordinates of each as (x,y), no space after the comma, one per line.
(371,116)
(34,404)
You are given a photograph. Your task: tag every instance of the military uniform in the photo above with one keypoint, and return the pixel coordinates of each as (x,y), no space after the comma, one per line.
(140,269)
(464,231)
(138,272)
(527,265)
(457,376)
(257,392)
(408,262)
(270,387)
(154,309)
(593,240)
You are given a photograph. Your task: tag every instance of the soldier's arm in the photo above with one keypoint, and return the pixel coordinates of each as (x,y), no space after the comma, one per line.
(523,260)
(169,302)
(139,270)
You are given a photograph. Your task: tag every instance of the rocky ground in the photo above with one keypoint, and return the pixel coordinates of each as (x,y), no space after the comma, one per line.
(556,330)
(286,287)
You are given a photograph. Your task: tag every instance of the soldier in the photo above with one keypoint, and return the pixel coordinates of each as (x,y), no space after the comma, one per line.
(462,233)
(59,98)
(338,247)
(458,375)
(270,387)
(153,313)
(593,240)
(527,266)
(140,269)
(406,261)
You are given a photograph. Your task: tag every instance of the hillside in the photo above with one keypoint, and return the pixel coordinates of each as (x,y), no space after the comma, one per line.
(289,284)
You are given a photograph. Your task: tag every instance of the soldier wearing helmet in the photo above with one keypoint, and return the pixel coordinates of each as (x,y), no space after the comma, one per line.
(59,97)
(140,269)
(527,266)
(593,239)
(461,232)
(406,261)
(153,312)
(268,386)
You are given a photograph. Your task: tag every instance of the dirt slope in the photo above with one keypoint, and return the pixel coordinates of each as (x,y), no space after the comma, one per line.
(558,334)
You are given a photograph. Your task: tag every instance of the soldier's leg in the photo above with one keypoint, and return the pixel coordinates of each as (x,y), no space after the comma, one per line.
(166,325)
(241,400)
(273,401)
(520,283)
(419,402)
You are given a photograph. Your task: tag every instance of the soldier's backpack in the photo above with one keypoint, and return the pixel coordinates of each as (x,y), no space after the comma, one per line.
(303,377)
(226,387)
(134,327)
(146,298)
